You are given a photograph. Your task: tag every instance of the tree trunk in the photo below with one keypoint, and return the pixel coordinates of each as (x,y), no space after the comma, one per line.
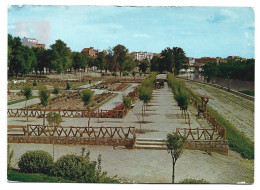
(44,117)
(26,111)
(173,170)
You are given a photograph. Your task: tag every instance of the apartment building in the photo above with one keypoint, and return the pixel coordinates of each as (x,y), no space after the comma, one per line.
(32,42)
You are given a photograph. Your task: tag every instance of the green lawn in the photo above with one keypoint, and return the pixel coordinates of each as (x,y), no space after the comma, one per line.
(14,175)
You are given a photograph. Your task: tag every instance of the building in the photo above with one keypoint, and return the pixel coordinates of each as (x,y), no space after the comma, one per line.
(235,58)
(31,42)
(90,52)
(142,55)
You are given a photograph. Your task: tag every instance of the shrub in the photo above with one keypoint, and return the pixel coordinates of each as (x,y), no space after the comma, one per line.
(34,83)
(81,169)
(125,73)
(35,162)
(114,74)
(102,74)
(68,86)
(133,73)
(127,101)
(75,168)
(145,94)
(56,89)
(87,96)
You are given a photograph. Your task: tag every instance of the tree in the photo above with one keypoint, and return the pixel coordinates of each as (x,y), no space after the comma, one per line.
(179,59)
(27,91)
(54,119)
(129,64)
(119,54)
(209,71)
(44,98)
(87,98)
(101,61)
(56,89)
(145,95)
(40,59)
(167,61)
(60,56)
(144,64)
(175,145)
(156,64)
(77,60)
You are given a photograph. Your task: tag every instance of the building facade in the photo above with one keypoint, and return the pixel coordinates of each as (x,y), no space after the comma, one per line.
(143,55)
(31,42)
(90,52)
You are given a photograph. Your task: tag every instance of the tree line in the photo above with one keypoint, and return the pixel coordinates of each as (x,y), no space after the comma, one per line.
(23,60)
(243,70)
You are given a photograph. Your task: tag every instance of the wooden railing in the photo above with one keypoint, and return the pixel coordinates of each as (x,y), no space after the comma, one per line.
(210,118)
(67,113)
(201,134)
(123,134)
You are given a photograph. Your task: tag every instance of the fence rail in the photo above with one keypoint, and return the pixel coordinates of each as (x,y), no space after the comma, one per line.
(211,119)
(200,134)
(69,113)
(89,135)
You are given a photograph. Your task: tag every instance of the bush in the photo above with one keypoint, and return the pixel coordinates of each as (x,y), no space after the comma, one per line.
(34,83)
(133,73)
(114,74)
(54,119)
(87,96)
(145,94)
(68,86)
(125,73)
(102,74)
(35,162)
(56,89)
(193,181)
(75,168)
(81,169)
(127,101)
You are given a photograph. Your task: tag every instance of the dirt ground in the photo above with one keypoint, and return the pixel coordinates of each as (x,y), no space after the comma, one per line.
(151,166)
(239,111)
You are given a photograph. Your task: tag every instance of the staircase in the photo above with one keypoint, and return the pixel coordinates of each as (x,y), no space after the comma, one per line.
(154,144)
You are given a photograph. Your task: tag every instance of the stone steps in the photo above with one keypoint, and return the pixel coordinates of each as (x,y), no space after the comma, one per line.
(154,144)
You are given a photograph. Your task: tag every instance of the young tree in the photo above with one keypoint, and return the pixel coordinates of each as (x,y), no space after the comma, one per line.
(56,89)
(145,95)
(27,91)
(175,145)
(87,98)
(44,98)
(134,73)
(127,101)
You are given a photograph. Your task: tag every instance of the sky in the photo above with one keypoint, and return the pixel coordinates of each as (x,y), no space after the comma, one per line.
(199,31)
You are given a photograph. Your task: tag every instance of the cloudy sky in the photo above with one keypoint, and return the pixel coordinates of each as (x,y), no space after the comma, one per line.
(200,31)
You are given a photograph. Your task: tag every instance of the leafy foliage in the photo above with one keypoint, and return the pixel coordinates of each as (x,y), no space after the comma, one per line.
(127,101)
(35,162)
(56,89)
(54,119)
(87,96)
(144,64)
(81,169)
(44,96)
(27,91)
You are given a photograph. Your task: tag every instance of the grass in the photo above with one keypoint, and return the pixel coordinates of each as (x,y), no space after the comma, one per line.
(248,92)
(21,100)
(15,175)
(237,141)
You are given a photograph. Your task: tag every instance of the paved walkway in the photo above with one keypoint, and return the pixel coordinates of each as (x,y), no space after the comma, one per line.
(117,100)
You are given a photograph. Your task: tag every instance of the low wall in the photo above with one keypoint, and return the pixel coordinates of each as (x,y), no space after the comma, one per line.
(71,140)
(220,147)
